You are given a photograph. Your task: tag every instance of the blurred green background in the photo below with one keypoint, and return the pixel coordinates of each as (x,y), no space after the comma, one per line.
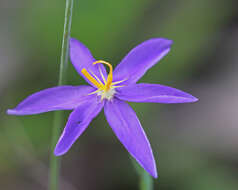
(195,145)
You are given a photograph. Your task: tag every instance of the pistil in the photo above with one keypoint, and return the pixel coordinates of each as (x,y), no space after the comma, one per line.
(109,77)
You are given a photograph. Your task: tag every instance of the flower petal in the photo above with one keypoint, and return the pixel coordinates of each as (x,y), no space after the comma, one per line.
(140,59)
(82,58)
(56,98)
(155,93)
(129,131)
(78,121)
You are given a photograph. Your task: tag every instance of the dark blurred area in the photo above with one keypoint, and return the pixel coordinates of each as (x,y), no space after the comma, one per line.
(195,145)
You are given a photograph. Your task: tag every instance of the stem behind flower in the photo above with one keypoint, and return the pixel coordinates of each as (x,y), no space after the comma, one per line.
(146,181)
(59,116)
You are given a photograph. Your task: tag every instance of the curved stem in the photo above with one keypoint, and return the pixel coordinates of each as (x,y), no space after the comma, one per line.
(58,117)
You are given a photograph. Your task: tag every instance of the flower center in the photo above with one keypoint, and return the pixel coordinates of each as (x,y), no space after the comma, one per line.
(106,89)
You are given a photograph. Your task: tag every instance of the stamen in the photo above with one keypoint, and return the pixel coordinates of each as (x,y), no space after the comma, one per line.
(106,89)
(94,92)
(97,79)
(109,77)
(117,86)
(91,79)
(117,82)
(104,80)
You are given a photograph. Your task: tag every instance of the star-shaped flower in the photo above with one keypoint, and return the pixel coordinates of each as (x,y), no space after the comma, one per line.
(109,91)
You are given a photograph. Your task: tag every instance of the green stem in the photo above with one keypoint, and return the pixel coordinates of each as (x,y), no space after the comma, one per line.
(59,116)
(146,181)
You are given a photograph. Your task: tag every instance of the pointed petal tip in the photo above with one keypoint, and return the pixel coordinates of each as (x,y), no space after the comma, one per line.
(154,174)
(190,99)
(72,41)
(58,152)
(59,149)
(164,41)
(169,42)
(11,112)
(193,99)
(151,170)
(19,112)
(148,167)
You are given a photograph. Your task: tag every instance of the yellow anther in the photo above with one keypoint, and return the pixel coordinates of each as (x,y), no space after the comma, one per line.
(91,79)
(109,77)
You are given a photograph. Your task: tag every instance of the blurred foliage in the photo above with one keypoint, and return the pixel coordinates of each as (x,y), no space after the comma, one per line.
(110,29)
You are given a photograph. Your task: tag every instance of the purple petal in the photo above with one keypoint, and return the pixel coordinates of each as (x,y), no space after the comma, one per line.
(56,98)
(153,93)
(140,59)
(129,131)
(82,58)
(78,121)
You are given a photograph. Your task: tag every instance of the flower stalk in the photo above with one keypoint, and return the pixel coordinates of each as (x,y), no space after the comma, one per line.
(146,181)
(59,116)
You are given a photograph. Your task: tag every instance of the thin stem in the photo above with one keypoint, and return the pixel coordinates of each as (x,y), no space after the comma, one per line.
(146,181)
(59,116)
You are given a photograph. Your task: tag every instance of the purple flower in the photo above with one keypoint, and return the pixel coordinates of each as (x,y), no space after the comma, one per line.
(109,91)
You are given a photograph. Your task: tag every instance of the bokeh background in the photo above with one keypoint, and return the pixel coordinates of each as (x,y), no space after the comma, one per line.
(195,145)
